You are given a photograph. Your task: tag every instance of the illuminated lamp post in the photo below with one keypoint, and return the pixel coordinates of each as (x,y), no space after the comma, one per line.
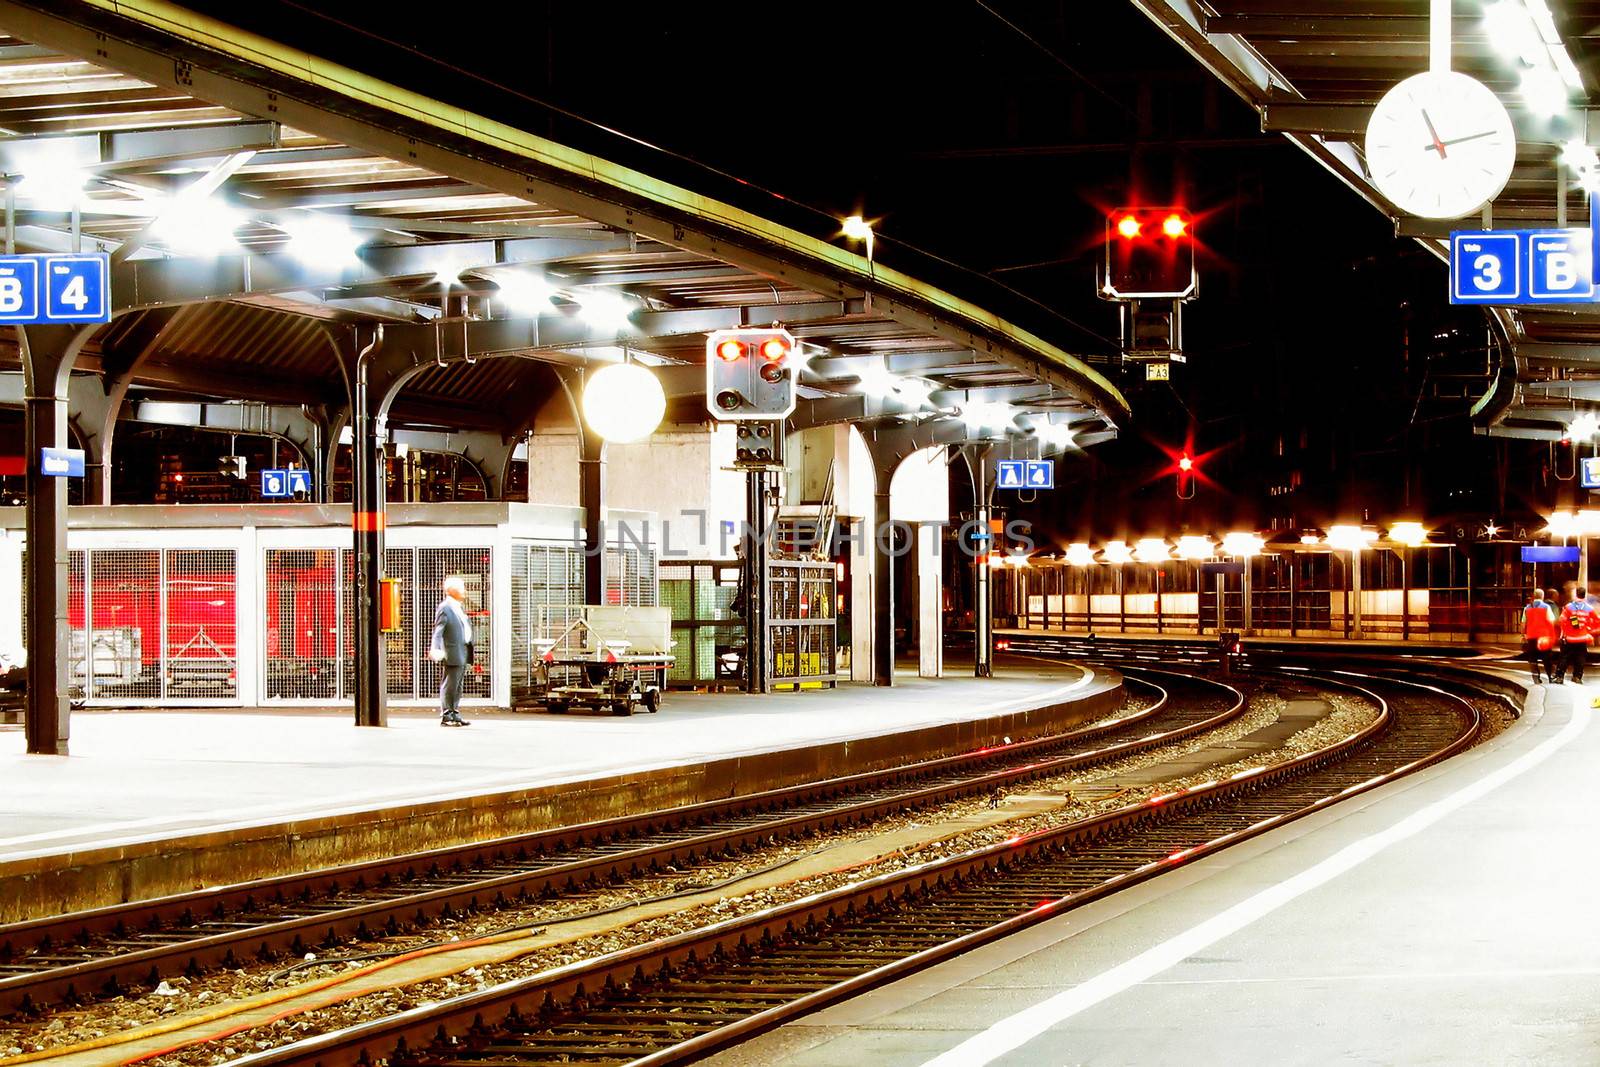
(1352,539)
(1246,546)
(1407,535)
(1153,550)
(1195,548)
(1116,552)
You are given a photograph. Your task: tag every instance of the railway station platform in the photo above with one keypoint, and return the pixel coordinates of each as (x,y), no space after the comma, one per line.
(155,802)
(1448,918)
(1417,646)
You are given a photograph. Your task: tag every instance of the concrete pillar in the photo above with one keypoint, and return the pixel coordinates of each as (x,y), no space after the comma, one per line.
(930,602)
(863,565)
(47,355)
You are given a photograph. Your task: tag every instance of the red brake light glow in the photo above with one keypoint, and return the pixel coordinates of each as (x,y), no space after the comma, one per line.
(1174,226)
(1128,226)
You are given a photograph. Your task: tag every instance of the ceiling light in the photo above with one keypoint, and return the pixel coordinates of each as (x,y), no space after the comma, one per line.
(1079,554)
(1117,552)
(1543,90)
(606,310)
(51,184)
(1510,29)
(1152,550)
(858,228)
(1242,543)
(1350,538)
(1583,426)
(1410,534)
(985,414)
(623,402)
(1562,524)
(320,239)
(197,225)
(1193,546)
(524,293)
(1054,434)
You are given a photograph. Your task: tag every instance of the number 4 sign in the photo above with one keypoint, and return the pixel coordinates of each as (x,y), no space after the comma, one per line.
(55,288)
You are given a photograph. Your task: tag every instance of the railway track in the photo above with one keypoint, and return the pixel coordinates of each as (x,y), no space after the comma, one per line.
(683,996)
(86,955)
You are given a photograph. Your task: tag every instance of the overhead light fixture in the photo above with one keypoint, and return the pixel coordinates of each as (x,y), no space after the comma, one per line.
(49,183)
(1117,552)
(986,414)
(197,225)
(1350,538)
(1194,547)
(1544,90)
(1079,554)
(1242,543)
(1583,161)
(1562,524)
(606,310)
(1152,550)
(524,293)
(1054,434)
(623,402)
(1583,426)
(857,228)
(320,239)
(1310,539)
(1410,534)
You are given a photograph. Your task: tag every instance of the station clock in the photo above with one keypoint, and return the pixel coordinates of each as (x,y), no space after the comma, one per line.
(1440,145)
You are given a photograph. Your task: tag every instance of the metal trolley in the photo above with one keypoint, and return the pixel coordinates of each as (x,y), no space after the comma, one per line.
(609,657)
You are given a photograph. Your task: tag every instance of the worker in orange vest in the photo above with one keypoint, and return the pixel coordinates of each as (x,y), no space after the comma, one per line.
(1577,625)
(1539,635)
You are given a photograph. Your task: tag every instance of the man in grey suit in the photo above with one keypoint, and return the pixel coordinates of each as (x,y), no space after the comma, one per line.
(451,647)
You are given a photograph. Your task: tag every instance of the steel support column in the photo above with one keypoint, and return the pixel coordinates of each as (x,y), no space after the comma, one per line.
(369,475)
(883,554)
(47,354)
(592,499)
(978,465)
(755,583)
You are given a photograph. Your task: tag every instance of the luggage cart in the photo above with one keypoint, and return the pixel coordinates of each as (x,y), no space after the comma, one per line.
(621,661)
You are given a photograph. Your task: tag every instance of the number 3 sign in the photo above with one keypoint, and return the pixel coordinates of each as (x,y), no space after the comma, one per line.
(55,288)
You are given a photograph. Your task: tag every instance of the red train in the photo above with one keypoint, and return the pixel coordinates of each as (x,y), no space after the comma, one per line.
(123,653)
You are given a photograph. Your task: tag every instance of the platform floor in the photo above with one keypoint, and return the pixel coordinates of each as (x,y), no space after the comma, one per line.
(1386,645)
(137,776)
(1451,918)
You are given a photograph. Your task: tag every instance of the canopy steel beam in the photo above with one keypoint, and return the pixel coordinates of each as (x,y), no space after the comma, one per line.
(123,149)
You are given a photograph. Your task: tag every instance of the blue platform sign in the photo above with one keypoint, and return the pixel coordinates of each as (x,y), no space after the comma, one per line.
(1549,554)
(274,483)
(1589,472)
(1522,267)
(61,462)
(1485,268)
(299,481)
(1041,474)
(1011,474)
(47,288)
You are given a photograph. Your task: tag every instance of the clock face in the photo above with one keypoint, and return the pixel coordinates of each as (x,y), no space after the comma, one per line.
(1440,145)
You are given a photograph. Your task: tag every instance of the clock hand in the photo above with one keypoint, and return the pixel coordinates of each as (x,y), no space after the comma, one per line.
(1457,140)
(1438,145)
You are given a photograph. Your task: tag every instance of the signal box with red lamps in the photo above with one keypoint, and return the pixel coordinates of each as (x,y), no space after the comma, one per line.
(750,374)
(1150,254)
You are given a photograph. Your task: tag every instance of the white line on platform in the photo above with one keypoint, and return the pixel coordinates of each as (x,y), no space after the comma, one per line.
(1016,1030)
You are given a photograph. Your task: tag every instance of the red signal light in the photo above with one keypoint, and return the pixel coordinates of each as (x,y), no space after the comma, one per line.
(730,350)
(1175,225)
(1128,226)
(1185,463)
(774,349)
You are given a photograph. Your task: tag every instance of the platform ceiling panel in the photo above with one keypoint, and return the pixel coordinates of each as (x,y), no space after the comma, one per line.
(441,243)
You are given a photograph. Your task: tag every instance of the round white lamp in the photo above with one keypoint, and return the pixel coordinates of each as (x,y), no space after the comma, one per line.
(623,402)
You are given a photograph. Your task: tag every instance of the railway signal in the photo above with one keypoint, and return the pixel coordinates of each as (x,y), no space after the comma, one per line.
(1150,254)
(750,374)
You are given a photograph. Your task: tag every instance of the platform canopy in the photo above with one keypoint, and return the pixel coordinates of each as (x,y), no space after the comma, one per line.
(1314,69)
(258,201)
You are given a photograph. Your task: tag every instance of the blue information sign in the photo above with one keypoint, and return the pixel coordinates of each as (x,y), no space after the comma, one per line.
(61,462)
(1041,474)
(1549,553)
(299,481)
(47,288)
(274,483)
(1521,267)
(1011,474)
(1589,472)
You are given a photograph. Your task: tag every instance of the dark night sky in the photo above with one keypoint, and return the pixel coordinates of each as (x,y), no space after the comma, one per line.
(993,146)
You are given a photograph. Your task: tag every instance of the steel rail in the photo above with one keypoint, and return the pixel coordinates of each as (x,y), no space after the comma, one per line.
(458,1030)
(105,950)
